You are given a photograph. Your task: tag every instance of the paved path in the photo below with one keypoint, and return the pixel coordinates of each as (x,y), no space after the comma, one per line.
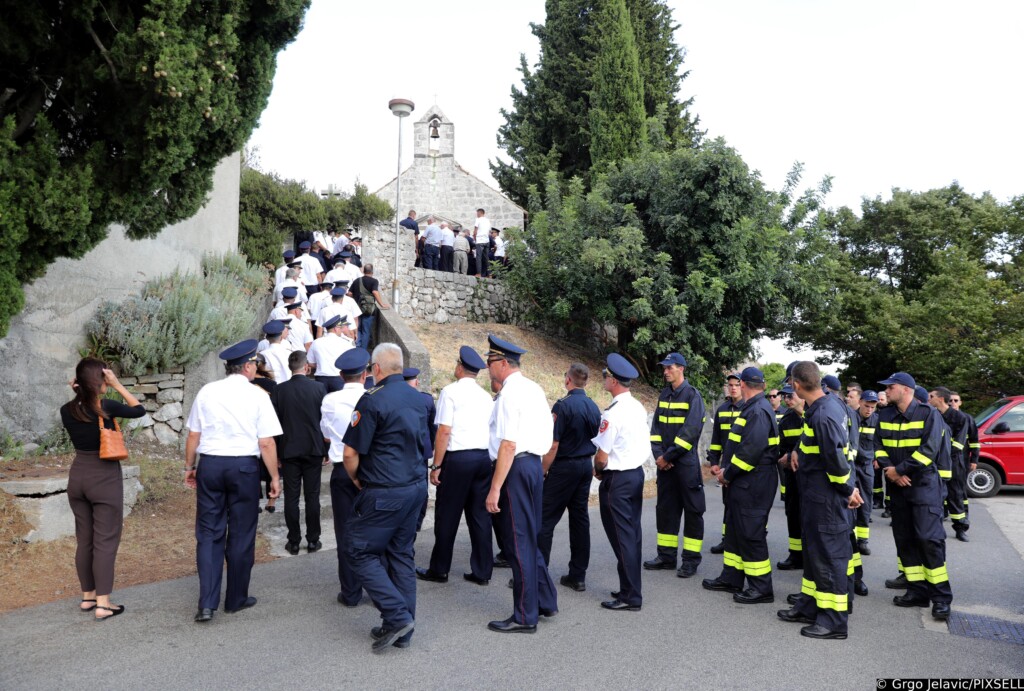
(685,637)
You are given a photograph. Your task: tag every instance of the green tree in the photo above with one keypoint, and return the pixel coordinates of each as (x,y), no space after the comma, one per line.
(118,112)
(617,118)
(270,209)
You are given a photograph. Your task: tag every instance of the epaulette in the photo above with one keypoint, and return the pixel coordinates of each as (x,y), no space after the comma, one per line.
(375,389)
(611,406)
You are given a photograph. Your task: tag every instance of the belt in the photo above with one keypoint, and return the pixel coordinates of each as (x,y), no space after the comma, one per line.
(411,484)
(525,454)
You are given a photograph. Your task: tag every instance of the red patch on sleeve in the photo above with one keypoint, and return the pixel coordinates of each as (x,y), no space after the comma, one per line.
(355,417)
(604,426)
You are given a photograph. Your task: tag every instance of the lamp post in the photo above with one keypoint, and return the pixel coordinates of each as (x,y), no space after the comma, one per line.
(400,107)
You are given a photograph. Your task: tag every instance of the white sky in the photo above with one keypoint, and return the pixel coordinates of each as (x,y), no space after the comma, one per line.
(879,94)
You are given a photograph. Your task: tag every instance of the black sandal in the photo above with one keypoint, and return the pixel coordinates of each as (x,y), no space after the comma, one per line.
(114,611)
(87,609)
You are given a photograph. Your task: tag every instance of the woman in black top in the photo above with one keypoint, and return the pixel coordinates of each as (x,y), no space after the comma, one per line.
(94,485)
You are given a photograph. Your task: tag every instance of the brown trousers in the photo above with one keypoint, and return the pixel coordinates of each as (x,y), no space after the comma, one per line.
(97,500)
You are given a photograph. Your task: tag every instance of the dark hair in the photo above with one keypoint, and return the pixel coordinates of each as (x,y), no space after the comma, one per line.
(943,393)
(481,211)
(352,378)
(578,374)
(807,374)
(368,269)
(234,369)
(262,369)
(274,338)
(88,382)
(854,386)
(297,360)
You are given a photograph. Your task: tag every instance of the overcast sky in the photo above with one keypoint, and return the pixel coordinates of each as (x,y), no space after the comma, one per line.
(878,94)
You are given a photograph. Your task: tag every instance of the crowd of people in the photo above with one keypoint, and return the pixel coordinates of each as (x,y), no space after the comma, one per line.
(454,249)
(310,395)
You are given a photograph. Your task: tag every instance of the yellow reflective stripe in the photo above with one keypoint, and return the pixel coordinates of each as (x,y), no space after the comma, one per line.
(782,490)
(715,447)
(808,587)
(901,443)
(867,430)
(723,528)
(946,474)
(735,437)
(957,445)
(808,431)
(741,421)
(898,427)
(840,603)
(791,432)
(975,445)
(877,490)
(683,443)
(958,516)
(856,560)
(757,568)
(938,575)
(921,458)
(838,479)
(726,427)
(691,544)
(862,532)
(773,441)
(729,413)
(850,569)
(796,544)
(966,502)
(809,449)
(655,437)
(673,406)
(914,573)
(881,453)
(665,540)
(732,559)
(741,464)
(671,420)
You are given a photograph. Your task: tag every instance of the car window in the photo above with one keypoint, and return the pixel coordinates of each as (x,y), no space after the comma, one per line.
(1014,418)
(984,415)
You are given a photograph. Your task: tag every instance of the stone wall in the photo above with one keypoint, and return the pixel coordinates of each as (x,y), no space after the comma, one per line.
(389,327)
(40,351)
(162,395)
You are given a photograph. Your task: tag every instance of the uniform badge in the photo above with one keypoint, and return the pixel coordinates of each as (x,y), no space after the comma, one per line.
(604,426)
(355,417)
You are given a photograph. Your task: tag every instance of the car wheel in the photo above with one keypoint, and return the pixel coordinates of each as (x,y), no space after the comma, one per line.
(984,481)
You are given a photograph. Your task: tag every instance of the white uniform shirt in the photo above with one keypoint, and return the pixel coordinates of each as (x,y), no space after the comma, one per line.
(311,267)
(336,274)
(301,297)
(325,351)
(482,231)
(231,418)
(521,415)
(316,303)
(499,247)
(277,360)
(321,237)
(279,274)
(466,408)
(447,236)
(354,273)
(624,433)
(299,334)
(339,244)
(335,417)
(346,308)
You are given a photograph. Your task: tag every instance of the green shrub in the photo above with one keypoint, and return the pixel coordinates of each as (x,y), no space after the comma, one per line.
(182,317)
(9,446)
(56,442)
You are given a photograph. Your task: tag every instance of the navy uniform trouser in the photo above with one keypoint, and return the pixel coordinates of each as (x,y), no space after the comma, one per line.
(956,499)
(746,542)
(827,523)
(343,496)
(621,499)
(792,504)
(680,496)
(379,545)
(921,547)
(465,481)
(301,475)
(227,508)
(521,504)
(332,383)
(567,486)
(865,483)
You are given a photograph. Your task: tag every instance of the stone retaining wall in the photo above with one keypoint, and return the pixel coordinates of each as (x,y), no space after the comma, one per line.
(441,297)
(162,395)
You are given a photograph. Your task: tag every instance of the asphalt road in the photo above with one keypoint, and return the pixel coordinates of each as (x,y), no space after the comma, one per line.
(298,636)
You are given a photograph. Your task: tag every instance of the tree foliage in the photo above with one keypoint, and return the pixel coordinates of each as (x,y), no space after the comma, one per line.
(549,126)
(118,112)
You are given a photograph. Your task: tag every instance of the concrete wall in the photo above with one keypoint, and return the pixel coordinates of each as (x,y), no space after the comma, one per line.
(388,327)
(39,353)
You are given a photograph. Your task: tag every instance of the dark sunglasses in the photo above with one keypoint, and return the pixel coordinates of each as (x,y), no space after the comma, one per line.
(774,395)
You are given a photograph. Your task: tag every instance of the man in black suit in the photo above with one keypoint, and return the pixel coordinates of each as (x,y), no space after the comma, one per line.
(301,449)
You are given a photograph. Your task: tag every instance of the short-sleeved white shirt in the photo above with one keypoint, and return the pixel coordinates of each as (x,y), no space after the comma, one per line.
(447,236)
(325,351)
(231,418)
(277,360)
(521,415)
(483,230)
(301,297)
(466,408)
(299,334)
(338,273)
(499,247)
(624,434)
(346,308)
(316,303)
(335,417)
(311,268)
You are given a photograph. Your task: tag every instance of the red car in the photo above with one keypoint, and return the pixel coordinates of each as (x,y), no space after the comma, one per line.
(1001,433)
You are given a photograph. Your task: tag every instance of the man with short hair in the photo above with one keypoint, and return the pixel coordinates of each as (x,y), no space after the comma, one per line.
(229,429)
(276,353)
(956,484)
(867,402)
(447,247)
(521,431)
(853,395)
(675,432)
(312,269)
(300,447)
(299,335)
(342,304)
(775,399)
(432,246)
(384,450)
(568,473)
(973,451)
(721,424)
(410,223)
(481,235)
(460,247)
(326,350)
(366,293)
(790,430)
(749,469)
(279,274)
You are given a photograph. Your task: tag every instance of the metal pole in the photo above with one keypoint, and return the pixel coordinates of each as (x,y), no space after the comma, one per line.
(398,235)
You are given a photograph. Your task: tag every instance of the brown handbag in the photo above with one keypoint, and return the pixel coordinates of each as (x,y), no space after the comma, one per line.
(112,446)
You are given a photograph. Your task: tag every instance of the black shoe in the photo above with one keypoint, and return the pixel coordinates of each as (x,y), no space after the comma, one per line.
(341,599)
(249,602)
(862,547)
(790,563)
(270,509)
(908,601)
(578,586)
(815,631)
(961,535)
(616,593)
(313,546)
(473,578)
(719,548)
(620,606)
(794,616)
(547,612)
(940,611)
(715,584)
(658,564)
(887,514)
(292,548)
(752,597)
(377,632)
(793,598)
(203,615)
(428,575)
(860,588)
(511,583)
(687,570)
(898,583)
(510,626)
(502,563)
(390,636)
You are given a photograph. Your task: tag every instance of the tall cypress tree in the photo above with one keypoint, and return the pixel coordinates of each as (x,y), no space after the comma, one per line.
(617,97)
